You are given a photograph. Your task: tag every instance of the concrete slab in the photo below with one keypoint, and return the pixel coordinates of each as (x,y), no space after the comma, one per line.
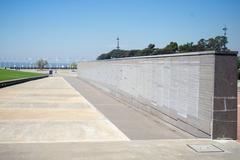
(134,124)
(128,150)
(51,110)
(77,130)
(41,114)
(58,131)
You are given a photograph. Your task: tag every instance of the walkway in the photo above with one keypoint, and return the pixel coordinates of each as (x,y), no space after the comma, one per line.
(49,119)
(123,150)
(50,110)
(135,125)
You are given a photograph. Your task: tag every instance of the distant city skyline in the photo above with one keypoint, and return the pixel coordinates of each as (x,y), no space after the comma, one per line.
(74,30)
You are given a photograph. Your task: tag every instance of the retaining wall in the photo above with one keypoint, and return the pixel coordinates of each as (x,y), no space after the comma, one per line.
(193,91)
(20,80)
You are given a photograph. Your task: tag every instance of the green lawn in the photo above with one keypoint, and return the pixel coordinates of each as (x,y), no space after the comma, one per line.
(6,74)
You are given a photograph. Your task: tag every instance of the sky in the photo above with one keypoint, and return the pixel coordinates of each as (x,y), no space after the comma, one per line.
(72,30)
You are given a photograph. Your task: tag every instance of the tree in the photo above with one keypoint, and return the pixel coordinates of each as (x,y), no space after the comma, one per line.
(104,56)
(186,47)
(151,46)
(172,47)
(217,44)
(202,45)
(211,44)
(147,51)
(221,42)
(158,51)
(73,65)
(41,63)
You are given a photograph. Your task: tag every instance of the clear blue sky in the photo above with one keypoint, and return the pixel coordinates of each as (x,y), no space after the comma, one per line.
(83,29)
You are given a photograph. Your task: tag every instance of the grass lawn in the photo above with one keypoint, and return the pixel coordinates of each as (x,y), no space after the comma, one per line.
(6,74)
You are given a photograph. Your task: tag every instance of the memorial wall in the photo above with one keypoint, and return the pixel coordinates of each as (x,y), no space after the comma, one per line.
(178,88)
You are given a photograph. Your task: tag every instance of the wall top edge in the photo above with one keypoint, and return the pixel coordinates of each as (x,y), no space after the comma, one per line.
(232,53)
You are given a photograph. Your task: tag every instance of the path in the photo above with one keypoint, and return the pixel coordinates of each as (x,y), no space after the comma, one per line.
(50,110)
(121,150)
(135,125)
(49,119)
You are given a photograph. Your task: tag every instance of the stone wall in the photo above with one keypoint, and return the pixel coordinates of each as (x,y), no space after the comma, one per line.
(193,91)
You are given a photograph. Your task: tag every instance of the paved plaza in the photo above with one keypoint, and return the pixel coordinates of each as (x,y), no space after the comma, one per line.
(122,150)
(136,125)
(50,110)
(63,117)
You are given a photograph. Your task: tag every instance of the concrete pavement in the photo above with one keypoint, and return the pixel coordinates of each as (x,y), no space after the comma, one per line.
(134,124)
(50,110)
(48,119)
(123,150)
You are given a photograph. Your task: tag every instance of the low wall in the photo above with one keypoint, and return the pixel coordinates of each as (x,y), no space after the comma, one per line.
(21,80)
(193,91)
